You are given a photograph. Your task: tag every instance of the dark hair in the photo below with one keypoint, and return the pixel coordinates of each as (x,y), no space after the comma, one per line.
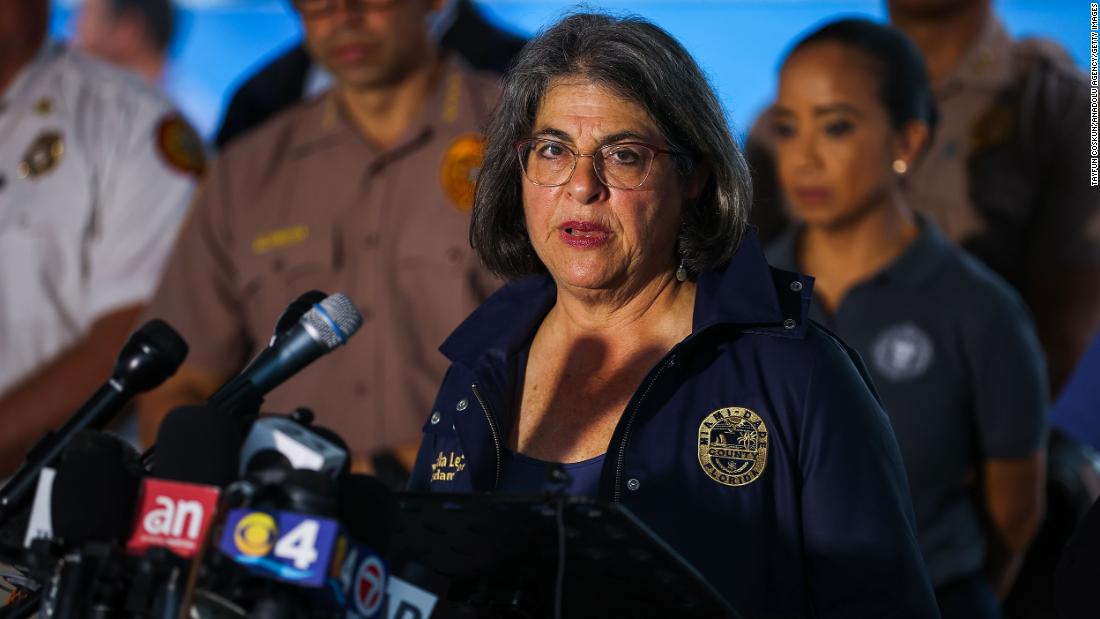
(898,66)
(641,63)
(159,17)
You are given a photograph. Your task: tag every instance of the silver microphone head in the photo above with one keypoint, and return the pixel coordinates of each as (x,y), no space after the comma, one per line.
(333,320)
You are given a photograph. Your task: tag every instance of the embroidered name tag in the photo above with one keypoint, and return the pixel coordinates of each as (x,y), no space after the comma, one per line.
(733,446)
(280,239)
(447,465)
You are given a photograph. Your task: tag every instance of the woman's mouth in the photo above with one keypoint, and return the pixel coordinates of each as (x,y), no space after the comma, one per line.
(583,234)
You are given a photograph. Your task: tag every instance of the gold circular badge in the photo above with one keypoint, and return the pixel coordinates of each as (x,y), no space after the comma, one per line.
(733,446)
(460,167)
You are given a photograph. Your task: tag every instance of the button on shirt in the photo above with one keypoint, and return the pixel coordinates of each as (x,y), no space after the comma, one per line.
(304,202)
(91,196)
(957,364)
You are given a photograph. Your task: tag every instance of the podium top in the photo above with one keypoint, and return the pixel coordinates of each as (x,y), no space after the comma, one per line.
(498,555)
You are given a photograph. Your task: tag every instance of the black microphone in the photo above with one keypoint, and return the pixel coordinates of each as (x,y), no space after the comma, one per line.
(150,356)
(197,456)
(92,507)
(94,494)
(294,312)
(322,329)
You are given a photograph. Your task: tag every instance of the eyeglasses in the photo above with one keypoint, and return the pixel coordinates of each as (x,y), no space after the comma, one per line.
(624,165)
(317,8)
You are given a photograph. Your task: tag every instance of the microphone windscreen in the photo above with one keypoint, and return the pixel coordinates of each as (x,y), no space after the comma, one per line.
(151,354)
(95,490)
(368,509)
(334,320)
(199,445)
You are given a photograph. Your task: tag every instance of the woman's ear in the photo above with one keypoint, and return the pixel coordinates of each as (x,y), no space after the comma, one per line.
(910,140)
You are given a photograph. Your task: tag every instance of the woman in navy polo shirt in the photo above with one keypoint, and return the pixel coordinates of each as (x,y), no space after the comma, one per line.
(950,346)
(644,343)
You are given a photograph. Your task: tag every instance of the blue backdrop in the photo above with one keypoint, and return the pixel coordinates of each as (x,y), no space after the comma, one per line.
(738,42)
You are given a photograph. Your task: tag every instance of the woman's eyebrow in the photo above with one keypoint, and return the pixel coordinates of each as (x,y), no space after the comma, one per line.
(831,108)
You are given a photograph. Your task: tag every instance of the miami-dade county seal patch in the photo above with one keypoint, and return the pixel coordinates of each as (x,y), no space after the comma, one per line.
(460,167)
(733,446)
(179,145)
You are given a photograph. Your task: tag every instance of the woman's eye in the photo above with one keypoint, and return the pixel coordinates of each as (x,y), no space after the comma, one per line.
(549,150)
(623,155)
(838,128)
(783,130)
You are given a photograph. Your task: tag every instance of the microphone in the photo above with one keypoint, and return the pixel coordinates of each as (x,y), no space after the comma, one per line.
(197,455)
(149,357)
(92,499)
(294,312)
(95,489)
(325,327)
(280,439)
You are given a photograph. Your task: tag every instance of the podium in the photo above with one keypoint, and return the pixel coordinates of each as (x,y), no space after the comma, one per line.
(499,556)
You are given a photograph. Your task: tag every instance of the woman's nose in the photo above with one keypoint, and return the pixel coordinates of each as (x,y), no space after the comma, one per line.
(585,186)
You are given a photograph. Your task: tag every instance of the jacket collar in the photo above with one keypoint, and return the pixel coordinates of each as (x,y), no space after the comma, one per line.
(743,294)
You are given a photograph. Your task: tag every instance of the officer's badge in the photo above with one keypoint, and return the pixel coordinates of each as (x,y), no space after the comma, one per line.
(733,446)
(460,167)
(179,145)
(994,127)
(42,155)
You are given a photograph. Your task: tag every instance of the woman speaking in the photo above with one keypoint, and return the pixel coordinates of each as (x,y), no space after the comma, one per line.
(644,343)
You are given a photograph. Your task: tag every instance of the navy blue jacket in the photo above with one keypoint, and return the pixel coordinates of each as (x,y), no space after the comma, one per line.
(755,448)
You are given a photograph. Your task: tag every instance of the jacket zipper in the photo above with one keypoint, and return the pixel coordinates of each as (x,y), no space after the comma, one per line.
(618,493)
(492,430)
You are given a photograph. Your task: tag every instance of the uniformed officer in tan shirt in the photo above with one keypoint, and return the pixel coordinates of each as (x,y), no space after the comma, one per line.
(1007,173)
(363,190)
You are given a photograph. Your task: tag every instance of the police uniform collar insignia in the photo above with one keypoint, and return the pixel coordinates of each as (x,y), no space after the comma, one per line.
(42,155)
(733,446)
(179,145)
(461,163)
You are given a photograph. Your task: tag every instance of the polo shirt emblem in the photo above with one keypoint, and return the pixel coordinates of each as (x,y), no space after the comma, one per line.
(733,446)
(902,352)
(461,164)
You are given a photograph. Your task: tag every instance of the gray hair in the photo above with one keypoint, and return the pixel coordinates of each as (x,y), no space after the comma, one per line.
(641,63)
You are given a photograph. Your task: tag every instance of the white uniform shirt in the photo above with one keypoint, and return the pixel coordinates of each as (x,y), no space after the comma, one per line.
(94,181)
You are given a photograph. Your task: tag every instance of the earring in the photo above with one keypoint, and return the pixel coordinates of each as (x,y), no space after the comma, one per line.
(681,272)
(900,166)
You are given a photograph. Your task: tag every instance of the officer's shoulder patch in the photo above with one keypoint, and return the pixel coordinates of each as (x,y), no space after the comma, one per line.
(461,163)
(179,145)
(733,446)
